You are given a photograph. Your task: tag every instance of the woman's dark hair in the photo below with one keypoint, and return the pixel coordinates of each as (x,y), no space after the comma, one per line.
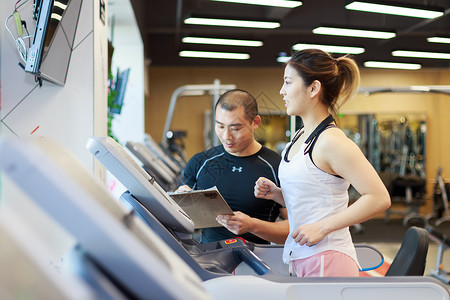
(339,77)
(232,99)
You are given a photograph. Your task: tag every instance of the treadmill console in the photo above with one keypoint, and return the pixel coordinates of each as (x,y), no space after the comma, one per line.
(140,184)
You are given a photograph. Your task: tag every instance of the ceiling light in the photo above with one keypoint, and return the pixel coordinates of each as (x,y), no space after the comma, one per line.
(419,54)
(219,55)
(60,5)
(216,41)
(330,48)
(436,39)
(56,16)
(278,3)
(394,9)
(283,59)
(233,23)
(373,34)
(391,65)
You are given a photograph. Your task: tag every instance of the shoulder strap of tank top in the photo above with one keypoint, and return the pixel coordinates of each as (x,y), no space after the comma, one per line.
(294,139)
(311,140)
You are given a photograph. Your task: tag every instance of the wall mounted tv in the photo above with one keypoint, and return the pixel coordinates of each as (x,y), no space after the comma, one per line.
(48,57)
(119,88)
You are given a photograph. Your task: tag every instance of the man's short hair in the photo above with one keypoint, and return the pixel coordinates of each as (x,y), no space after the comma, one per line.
(232,99)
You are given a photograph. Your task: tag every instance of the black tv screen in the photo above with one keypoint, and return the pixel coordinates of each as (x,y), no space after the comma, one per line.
(49,55)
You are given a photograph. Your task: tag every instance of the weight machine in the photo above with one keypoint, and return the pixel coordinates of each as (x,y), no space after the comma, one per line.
(215,89)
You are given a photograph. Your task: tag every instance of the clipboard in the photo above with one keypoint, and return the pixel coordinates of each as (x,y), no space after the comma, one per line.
(203,206)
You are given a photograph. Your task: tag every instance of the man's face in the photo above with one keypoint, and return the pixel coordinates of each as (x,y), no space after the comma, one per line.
(234,130)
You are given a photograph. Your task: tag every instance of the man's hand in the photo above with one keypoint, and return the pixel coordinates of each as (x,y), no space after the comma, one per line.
(239,223)
(183,188)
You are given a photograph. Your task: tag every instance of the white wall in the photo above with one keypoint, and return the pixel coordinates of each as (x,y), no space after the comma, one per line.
(124,34)
(128,53)
(69,114)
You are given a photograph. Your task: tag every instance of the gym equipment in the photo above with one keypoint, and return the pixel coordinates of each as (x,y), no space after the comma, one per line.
(215,256)
(117,161)
(408,190)
(209,260)
(411,258)
(113,247)
(440,212)
(154,166)
(443,244)
(215,89)
(369,258)
(175,165)
(26,270)
(127,260)
(149,200)
(105,149)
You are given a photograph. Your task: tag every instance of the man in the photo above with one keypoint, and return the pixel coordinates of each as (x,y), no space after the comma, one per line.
(233,168)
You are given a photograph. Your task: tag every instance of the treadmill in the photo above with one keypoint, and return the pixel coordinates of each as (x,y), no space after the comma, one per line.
(127,260)
(118,254)
(146,198)
(26,268)
(153,165)
(168,159)
(172,154)
(151,203)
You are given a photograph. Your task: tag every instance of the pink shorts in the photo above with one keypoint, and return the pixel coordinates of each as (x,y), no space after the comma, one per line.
(326,264)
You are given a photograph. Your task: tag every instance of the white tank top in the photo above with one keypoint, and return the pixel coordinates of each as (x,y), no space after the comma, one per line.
(310,195)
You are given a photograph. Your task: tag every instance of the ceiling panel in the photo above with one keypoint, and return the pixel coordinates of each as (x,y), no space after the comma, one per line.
(161,25)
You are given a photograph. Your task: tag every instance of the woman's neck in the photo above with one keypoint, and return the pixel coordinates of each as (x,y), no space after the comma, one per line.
(311,121)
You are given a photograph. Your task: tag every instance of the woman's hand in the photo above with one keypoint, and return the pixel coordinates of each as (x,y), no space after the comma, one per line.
(266,189)
(309,234)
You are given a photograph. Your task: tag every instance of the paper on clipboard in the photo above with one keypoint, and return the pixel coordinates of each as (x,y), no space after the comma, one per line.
(203,206)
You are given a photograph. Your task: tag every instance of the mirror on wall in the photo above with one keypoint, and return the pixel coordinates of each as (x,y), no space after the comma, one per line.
(393,143)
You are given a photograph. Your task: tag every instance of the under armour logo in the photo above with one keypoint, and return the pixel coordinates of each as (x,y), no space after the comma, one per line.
(237,169)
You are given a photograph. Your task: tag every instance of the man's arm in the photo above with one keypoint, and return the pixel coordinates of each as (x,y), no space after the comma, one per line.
(240,223)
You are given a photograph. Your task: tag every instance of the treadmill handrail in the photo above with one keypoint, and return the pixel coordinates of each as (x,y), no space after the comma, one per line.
(193,88)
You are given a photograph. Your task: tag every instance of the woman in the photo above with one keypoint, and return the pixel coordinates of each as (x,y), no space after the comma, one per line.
(319,165)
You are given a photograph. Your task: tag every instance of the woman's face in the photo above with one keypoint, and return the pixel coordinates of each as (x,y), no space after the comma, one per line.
(294,92)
